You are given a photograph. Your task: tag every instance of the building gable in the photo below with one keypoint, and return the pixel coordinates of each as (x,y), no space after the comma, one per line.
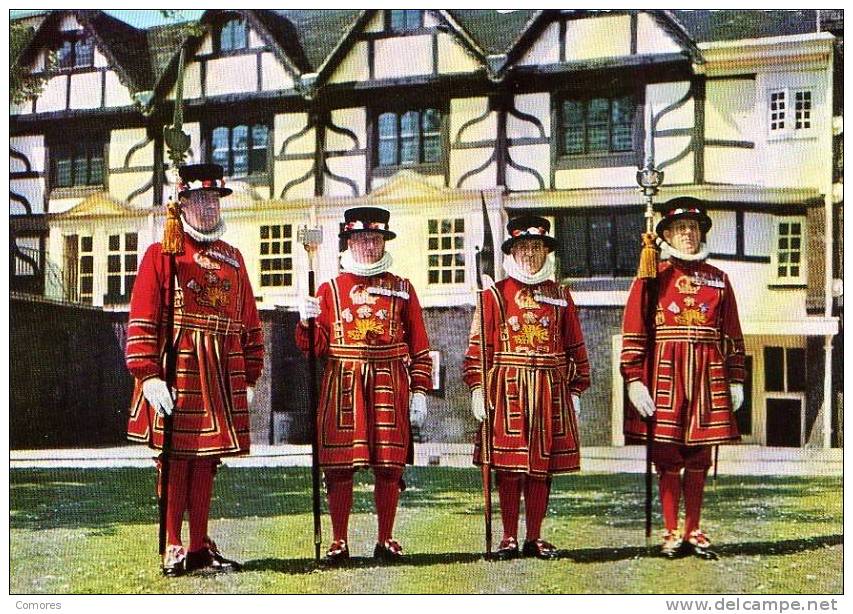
(385,45)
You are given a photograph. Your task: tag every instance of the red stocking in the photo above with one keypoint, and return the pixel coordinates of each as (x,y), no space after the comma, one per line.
(201,490)
(670,493)
(536,492)
(386,494)
(339,490)
(694,488)
(509,493)
(177,501)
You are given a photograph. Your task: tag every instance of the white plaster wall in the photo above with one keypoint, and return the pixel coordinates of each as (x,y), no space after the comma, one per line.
(402,57)
(662,95)
(730,110)
(32,190)
(758,233)
(466,109)
(32,147)
(733,165)
(465,160)
(117,94)
(651,38)
(100,60)
(354,66)
(377,23)
(121,142)
(757,303)
(255,41)
(273,74)
(598,37)
(536,157)
(670,148)
(192,82)
(229,75)
(287,171)
(289,124)
(722,239)
(351,167)
(546,49)
(52,95)
(595,177)
(354,120)
(539,106)
(452,58)
(86,90)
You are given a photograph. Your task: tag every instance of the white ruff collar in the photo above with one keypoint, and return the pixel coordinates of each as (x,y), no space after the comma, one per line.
(668,251)
(205,237)
(544,274)
(365,270)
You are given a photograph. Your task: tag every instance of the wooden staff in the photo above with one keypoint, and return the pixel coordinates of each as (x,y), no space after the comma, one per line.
(311,238)
(649,179)
(178,143)
(484,282)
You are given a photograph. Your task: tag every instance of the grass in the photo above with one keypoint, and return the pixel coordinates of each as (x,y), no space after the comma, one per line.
(94,531)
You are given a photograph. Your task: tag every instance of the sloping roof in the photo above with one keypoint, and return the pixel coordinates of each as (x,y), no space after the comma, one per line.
(494,30)
(319,31)
(163,41)
(124,44)
(719,25)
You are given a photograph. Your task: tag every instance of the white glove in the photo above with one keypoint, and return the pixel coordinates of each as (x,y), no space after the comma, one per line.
(641,399)
(737,395)
(478,404)
(250,394)
(576,404)
(417,409)
(309,307)
(156,392)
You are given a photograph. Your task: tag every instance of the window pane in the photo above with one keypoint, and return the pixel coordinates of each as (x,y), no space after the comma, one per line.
(629,226)
(96,169)
(65,54)
(572,127)
(774,372)
(572,247)
(63,172)
(387,139)
(219,148)
(409,132)
(113,263)
(115,243)
(130,262)
(597,125)
(130,242)
(86,284)
(86,244)
(432,149)
(433,243)
(84,52)
(601,235)
(387,153)
(622,124)
(431,121)
(258,163)
(240,150)
(114,285)
(86,264)
(398,20)
(459,225)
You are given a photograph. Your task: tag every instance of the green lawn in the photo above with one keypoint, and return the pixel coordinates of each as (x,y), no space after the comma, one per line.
(94,531)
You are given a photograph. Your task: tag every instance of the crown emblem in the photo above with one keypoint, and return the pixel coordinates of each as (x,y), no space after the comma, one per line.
(525,300)
(685,285)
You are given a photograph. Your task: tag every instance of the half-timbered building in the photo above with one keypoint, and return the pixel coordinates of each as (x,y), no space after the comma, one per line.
(454,119)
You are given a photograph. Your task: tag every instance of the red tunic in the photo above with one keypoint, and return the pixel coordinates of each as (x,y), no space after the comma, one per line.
(537,359)
(698,352)
(220,348)
(371,331)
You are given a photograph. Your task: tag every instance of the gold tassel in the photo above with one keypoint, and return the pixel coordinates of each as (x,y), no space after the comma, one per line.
(173,233)
(648,268)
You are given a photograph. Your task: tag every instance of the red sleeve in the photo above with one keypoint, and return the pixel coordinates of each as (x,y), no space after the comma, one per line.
(253,335)
(575,347)
(634,334)
(416,338)
(323,325)
(732,337)
(471,368)
(142,353)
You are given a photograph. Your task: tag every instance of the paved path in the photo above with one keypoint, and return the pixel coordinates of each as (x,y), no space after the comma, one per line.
(734,460)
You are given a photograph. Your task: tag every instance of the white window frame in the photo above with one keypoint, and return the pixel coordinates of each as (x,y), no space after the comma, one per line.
(122,253)
(800,279)
(281,240)
(781,394)
(453,251)
(789,130)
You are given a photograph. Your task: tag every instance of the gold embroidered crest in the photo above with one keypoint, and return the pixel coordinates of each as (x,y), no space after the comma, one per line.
(360,296)
(365,329)
(685,285)
(531,334)
(524,299)
(691,317)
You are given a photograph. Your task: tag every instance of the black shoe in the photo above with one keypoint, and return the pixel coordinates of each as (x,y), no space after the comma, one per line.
(507,549)
(337,553)
(208,560)
(673,547)
(699,545)
(390,551)
(173,561)
(540,549)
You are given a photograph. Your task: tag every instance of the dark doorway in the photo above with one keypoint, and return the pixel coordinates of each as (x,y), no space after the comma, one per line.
(784,422)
